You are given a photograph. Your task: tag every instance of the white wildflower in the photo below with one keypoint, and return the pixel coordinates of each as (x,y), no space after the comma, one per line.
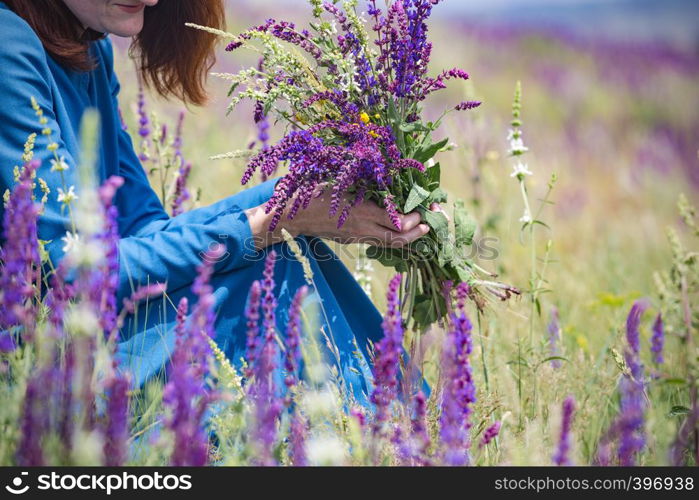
(67,197)
(520,169)
(71,241)
(517,147)
(326,450)
(319,403)
(59,165)
(81,319)
(430,163)
(526,218)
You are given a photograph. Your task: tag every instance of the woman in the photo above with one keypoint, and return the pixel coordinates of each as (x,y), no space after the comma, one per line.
(57,52)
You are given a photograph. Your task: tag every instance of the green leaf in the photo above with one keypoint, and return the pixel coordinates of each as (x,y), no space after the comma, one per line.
(434,173)
(425,153)
(554,358)
(413,127)
(388,257)
(674,381)
(679,410)
(464,273)
(464,225)
(438,222)
(43,253)
(425,310)
(417,195)
(439,195)
(447,253)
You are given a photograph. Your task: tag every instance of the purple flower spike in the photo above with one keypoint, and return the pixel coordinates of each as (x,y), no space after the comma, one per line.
(562,453)
(298,431)
(658,340)
(459,392)
(116,433)
(292,360)
(554,331)
(420,433)
(387,358)
(7,342)
(264,391)
(490,433)
(19,256)
(467,105)
(633,322)
(186,394)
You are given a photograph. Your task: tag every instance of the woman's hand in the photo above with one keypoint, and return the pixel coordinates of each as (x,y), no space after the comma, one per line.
(367,222)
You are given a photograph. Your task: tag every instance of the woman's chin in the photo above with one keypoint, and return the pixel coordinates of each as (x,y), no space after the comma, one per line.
(126,29)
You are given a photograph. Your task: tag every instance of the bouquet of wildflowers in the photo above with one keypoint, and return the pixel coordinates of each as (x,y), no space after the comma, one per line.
(350,90)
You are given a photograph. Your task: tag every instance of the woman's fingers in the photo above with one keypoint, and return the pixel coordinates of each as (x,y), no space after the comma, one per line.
(396,239)
(410,221)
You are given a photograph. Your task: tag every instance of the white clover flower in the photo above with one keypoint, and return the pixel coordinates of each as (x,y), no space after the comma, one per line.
(71,241)
(319,403)
(60,165)
(87,253)
(67,197)
(81,319)
(326,450)
(517,147)
(520,169)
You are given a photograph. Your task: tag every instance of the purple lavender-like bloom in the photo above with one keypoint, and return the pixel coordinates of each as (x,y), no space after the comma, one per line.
(490,434)
(459,392)
(292,359)
(467,105)
(109,281)
(252,314)
(387,358)
(633,322)
(181,192)
(554,331)
(658,340)
(629,426)
(143,121)
(561,456)
(186,394)
(420,433)
(7,342)
(19,256)
(35,420)
(143,293)
(264,391)
(116,432)
(298,430)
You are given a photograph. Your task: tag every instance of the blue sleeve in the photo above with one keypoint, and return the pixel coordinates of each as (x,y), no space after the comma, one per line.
(26,74)
(169,252)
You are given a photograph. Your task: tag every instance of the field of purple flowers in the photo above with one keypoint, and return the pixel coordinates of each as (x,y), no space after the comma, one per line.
(596,362)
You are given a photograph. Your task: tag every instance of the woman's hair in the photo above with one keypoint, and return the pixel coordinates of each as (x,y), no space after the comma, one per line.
(173,59)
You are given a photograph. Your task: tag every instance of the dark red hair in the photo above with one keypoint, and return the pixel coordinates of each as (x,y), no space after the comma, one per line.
(173,59)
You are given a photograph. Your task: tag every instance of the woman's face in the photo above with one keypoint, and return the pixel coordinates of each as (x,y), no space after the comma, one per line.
(119,17)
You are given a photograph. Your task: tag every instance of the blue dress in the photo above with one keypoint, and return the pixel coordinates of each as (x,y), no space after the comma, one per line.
(153,246)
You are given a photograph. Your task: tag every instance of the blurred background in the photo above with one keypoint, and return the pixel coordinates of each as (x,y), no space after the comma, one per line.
(610,106)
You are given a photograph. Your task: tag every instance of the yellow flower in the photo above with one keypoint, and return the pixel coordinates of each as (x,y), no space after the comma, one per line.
(582,342)
(364,117)
(373,134)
